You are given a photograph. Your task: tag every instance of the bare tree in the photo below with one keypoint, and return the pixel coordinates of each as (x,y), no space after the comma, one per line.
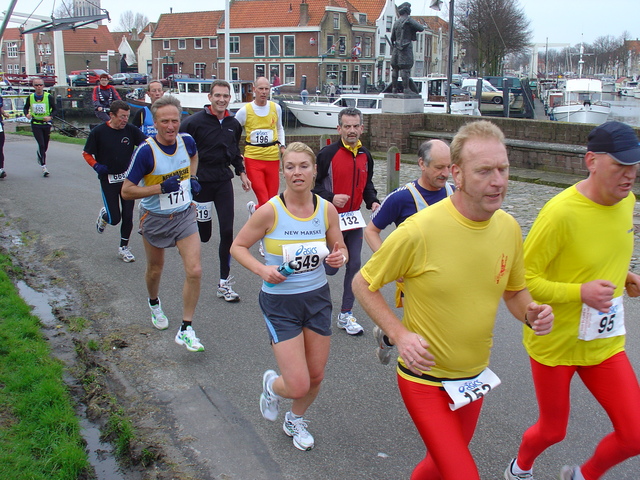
(129,21)
(64,10)
(490,30)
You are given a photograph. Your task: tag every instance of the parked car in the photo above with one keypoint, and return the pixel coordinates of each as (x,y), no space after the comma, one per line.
(92,73)
(122,79)
(138,78)
(79,80)
(490,94)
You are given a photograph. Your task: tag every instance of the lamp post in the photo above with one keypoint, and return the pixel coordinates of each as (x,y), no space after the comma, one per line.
(436,5)
(172,54)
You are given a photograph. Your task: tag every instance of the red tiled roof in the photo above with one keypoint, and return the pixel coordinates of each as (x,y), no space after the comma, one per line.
(632,46)
(89,40)
(286,13)
(13,34)
(188,24)
(433,22)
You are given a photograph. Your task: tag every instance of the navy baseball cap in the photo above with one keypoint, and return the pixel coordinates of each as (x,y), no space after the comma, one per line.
(616,139)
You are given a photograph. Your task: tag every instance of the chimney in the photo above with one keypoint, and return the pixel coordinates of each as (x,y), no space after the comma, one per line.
(304,14)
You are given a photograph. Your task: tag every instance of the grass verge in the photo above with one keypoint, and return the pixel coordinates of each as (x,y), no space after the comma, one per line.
(39,432)
(57,137)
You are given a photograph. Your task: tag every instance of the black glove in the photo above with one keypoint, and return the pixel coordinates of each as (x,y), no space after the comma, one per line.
(101,169)
(196,188)
(171,184)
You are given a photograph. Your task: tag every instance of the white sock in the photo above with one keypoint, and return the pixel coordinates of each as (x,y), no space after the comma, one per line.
(270,386)
(517,470)
(292,416)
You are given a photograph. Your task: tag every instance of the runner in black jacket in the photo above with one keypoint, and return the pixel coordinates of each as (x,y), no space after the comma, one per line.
(217,135)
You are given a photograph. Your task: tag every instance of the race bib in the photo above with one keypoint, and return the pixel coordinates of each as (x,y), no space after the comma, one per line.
(169,201)
(39,108)
(309,255)
(204,211)
(117,177)
(351,220)
(463,392)
(261,137)
(595,324)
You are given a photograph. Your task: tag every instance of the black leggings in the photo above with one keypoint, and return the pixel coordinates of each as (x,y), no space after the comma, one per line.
(221,194)
(113,202)
(2,149)
(41,133)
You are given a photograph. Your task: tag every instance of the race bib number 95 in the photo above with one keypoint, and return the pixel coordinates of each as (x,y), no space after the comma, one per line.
(595,324)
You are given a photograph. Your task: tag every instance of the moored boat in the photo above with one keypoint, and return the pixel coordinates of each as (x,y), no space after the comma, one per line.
(581,103)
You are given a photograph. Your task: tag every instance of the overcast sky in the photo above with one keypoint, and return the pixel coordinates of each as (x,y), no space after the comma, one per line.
(555,21)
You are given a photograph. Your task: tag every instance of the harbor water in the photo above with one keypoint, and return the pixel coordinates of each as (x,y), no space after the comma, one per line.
(623,109)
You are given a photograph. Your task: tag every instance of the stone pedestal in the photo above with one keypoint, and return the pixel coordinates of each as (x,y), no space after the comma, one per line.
(402,103)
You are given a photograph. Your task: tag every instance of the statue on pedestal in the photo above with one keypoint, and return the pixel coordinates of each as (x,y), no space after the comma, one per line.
(403,34)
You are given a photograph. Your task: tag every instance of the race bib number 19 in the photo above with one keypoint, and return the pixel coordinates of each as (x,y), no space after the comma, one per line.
(203,211)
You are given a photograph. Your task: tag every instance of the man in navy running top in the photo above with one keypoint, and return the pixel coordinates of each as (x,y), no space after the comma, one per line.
(434,160)
(162,176)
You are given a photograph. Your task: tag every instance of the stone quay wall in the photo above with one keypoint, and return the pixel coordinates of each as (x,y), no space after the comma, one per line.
(532,144)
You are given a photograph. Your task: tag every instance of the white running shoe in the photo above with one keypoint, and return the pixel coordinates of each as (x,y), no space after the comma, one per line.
(383,352)
(225,291)
(45,172)
(509,475)
(251,206)
(188,339)
(297,428)
(158,318)
(2,173)
(101,223)
(348,323)
(126,254)
(269,401)
(571,473)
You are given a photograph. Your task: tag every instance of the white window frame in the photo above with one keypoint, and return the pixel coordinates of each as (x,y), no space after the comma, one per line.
(166,44)
(290,38)
(273,53)
(256,38)
(213,43)
(255,70)
(336,21)
(235,73)
(47,49)
(342,45)
(199,66)
(331,49)
(195,43)
(12,50)
(389,24)
(182,44)
(234,44)
(289,78)
(366,48)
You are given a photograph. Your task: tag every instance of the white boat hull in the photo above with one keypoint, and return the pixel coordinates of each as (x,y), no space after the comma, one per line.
(595,114)
(325,115)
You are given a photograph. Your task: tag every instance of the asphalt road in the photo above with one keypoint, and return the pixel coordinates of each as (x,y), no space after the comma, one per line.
(207,403)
